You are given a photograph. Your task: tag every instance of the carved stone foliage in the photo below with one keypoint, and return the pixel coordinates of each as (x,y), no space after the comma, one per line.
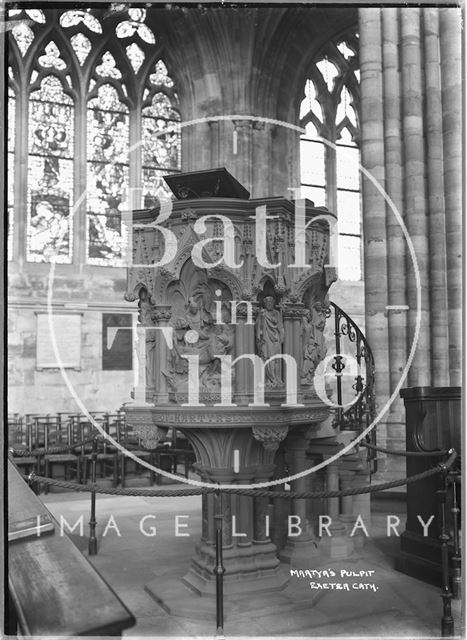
(270,437)
(150,435)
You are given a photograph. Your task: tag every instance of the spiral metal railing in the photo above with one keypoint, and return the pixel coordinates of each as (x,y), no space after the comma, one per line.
(353,360)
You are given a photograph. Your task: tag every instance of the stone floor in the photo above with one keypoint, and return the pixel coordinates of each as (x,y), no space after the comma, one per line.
(400,607)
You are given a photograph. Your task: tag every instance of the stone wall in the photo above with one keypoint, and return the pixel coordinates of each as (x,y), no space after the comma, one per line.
(90,293)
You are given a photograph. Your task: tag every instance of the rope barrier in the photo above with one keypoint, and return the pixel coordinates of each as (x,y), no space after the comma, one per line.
(20,453)
(407,454)
(256,493)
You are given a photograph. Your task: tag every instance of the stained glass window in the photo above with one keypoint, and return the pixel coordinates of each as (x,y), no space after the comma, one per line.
(122,106)
(107,68)
(135,25)
(51,58)
(107,175)
(50,173)
(23,35)
(330,175)
(73,18)
(161,76)
(135,56)
(161,138)
(81,46)
(11,168)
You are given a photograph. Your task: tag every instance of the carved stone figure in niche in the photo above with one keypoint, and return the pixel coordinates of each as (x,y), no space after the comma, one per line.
(314,348)
(195,333)
(269,339)
(146,318)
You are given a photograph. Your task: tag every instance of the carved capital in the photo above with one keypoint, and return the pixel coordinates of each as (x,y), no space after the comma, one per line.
(270,437)
(293,311)
(330,275)
(129,296)
(162,314)
(246,125)
(149,434)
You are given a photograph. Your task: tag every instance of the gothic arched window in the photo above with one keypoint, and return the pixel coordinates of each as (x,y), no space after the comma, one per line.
(330,173)
(102,125)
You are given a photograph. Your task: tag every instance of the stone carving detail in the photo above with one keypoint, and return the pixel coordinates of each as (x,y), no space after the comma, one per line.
(314,347)
(149,435)
(277,417)
(197,333)
(269,339)
(188,214)
(270,437)
(162,314)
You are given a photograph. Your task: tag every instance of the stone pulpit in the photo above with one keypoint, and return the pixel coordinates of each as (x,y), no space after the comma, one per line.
(233,301)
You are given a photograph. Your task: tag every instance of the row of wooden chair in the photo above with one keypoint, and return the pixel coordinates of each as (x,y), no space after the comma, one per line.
(41,437)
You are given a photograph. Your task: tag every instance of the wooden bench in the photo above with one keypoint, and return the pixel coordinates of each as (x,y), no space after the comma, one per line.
(53,589)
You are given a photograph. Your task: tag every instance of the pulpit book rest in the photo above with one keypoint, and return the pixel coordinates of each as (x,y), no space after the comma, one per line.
(53,589)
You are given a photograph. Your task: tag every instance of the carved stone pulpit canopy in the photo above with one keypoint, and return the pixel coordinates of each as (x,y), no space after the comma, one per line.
(230,277)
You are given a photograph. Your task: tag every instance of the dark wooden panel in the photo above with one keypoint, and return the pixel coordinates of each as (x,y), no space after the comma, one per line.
(56,591)
(117,342)
(433,421)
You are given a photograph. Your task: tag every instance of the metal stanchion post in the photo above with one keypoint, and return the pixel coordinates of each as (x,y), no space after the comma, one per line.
(219,569)
(447,621)
(456,558)
(92,544)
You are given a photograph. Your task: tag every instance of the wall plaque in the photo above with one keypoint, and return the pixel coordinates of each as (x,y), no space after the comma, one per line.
(67,331)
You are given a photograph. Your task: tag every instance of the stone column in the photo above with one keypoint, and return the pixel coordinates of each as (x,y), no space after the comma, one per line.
(244,344)
(215,144)
(249,555)
(414,188)
(293,338)
(361,504)
(243,131)
(303,547)
(346,516)
(451,83)
(261,151)
(162,315)
(435,192)
(373,204)
(338,545)
(397,319)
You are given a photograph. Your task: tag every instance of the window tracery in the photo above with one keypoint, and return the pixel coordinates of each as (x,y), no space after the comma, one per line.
(86,101)
(330,174)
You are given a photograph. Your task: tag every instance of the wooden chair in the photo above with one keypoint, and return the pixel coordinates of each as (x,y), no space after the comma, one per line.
(19,440)
(129,468)
(182,452)
(50,433)
(106,456)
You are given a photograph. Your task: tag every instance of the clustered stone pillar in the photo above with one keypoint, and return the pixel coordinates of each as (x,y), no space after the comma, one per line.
(374,209)
(410,62)
(451,83)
